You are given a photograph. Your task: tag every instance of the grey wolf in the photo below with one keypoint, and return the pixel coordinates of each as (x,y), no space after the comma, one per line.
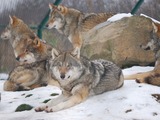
(80,78)
(151,77)
(32,54)
(73,23)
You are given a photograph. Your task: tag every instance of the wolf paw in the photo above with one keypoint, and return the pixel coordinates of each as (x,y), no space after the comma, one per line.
(23,88)
(40,109)
(27,88)
(48,110)
(139,80)
(44,84)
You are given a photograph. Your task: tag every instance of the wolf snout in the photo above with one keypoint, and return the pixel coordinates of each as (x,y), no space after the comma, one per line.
(47,26)
(17,58)
(62,76)
(3,37)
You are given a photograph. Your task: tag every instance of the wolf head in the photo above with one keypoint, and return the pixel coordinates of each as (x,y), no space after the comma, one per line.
(65,67)
(56,17)
(35,50)
(7,33)
(16,27)
(26,57)
(154,43)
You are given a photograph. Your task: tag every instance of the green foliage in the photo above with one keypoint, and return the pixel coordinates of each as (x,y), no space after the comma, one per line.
(23,107)
(23,94)
(45,101)
(28,95)
(54,94)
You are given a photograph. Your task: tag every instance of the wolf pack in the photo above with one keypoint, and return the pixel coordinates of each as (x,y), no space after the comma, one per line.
(41,64)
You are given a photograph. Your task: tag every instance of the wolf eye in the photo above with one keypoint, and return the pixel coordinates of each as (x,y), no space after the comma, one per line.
(26,50)
(69,65)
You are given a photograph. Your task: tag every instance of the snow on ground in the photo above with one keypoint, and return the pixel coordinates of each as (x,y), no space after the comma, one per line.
(131,102)
(3,76)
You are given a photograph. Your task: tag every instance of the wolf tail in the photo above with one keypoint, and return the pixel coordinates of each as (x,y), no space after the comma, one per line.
(10,86)
(137,76)
(152,79)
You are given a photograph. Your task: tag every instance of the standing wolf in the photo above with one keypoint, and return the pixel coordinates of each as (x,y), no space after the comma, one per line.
(80,78)
(74,23)
(151,77)
(32,54)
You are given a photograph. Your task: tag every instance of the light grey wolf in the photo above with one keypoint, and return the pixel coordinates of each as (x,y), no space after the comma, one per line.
(80,78)
(73,23)
(32,54)
(151,77)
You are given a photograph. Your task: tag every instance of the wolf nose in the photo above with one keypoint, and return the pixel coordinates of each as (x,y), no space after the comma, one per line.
(47,25)
(17,58)
(62,76)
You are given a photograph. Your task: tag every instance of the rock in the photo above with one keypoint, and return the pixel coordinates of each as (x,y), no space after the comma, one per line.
(120,42)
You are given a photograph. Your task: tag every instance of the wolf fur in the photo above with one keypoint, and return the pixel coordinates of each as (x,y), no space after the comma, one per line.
(80,78)
(18,33)
(73,23)
(24,77)
(151,77)
(32,55)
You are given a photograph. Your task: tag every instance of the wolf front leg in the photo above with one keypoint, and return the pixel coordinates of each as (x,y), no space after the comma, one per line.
(76,39)
(138,75)
(53,102)
(79,94)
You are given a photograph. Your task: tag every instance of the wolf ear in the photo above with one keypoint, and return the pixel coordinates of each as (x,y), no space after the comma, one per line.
(37,42)
(61,9)
(54,53)
(52,6)
(154,27)
(11,19)
(76,53)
